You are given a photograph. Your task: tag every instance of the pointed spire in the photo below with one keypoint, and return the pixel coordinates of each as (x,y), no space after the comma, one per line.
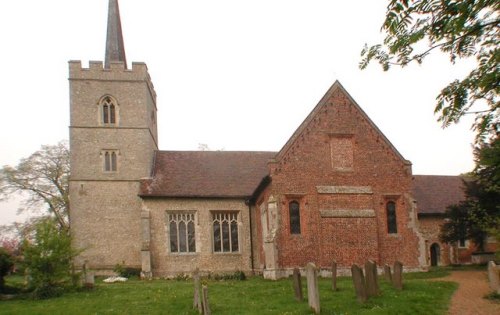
(115,49)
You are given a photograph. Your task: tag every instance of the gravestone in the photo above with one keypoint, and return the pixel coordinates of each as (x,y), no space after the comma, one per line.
(494,276)
(206,306)
(372,288)
(334,275)
(196,296)
(387,273)
(312,287)
(89,280)
(397,277)
(88,276)
(297,285)
(359,283)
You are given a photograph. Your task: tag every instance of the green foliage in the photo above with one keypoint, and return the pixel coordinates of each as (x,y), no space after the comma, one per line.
(254,296)
(6,264)
(48,258)
(126,272)
(237,275)
(479,214)
(44,178)
(461,29)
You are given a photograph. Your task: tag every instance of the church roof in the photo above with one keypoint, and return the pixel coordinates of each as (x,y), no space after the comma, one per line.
(206,174)
(435,193)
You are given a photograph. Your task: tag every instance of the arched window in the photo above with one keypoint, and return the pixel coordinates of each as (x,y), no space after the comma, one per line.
(110,161)
(294,210)
(108,111)
(392,226)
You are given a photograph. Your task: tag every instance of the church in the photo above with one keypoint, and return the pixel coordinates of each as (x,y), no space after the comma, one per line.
(337,190)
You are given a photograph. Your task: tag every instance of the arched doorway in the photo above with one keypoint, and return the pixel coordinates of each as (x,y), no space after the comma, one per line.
(435,253)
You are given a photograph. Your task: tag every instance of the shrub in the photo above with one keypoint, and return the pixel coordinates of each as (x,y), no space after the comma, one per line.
(126,272)
(237,275)
(48,257)
(6,264)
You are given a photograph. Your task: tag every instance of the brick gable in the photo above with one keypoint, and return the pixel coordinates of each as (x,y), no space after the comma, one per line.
(342,170)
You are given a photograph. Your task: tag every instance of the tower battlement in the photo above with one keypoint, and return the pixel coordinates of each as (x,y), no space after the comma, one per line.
(117,72)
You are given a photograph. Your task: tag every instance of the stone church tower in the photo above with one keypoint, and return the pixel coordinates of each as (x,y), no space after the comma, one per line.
(113,136)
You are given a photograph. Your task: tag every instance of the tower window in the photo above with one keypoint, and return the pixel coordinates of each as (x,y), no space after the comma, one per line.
(392,226)
(110,160)
(109,111)
(225,229)
(294,211)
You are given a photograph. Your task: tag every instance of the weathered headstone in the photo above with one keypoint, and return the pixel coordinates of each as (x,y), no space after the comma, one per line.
(89,280)
(334,275)
(206,305)
(312,287)
(397,277)
(387,273)
(297,285)
(372,288)
(196,296)
(359,283)
(494,276)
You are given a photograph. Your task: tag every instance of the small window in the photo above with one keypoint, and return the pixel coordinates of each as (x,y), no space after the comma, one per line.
(225,229)
(392,226)
(110,160)
(108,111)
(462,243)
(181,232)
(294,210)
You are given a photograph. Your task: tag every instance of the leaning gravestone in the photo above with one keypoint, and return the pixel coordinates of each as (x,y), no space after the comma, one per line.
(312,287)
(297,285)
(387,273)
(334,275)
(494,276)
(196,296)
(206,306)
(372,288)
(359,283)
(397,277)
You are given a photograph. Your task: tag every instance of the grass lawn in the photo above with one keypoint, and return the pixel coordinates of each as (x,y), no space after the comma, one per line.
(253,296)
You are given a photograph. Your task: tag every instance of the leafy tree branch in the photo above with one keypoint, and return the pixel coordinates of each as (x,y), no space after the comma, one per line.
(461,29)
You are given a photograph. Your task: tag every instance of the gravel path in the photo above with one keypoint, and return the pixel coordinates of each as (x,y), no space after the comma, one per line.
(468,299)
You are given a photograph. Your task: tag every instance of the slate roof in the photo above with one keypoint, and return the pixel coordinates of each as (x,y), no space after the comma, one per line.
(206,174)
(435,193)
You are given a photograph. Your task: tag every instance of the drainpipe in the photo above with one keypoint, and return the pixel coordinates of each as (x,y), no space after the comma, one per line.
(247,202)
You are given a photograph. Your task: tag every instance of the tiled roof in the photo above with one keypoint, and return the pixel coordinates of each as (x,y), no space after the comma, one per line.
(224,174)
(435,193)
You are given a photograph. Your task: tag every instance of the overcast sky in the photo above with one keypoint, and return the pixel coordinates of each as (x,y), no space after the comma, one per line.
(235,75)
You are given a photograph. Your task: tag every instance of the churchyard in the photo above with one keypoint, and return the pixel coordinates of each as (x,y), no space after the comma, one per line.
(252,296)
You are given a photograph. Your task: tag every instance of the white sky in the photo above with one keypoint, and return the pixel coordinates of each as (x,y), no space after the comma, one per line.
(235,75)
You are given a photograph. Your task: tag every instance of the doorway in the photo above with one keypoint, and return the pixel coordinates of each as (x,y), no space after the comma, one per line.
(435,253)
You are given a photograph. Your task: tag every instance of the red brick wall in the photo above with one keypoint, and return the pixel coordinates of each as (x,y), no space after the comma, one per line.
(306,162)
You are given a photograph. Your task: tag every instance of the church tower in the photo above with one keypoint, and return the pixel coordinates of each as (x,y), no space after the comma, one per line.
(113,137)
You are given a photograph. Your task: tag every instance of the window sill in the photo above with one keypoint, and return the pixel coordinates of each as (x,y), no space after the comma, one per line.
(227,253)
(183,254)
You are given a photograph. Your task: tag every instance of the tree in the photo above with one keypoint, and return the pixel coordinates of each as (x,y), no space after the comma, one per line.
(479,214)
(44,177)
(459,28)
(48,258)
(6,264)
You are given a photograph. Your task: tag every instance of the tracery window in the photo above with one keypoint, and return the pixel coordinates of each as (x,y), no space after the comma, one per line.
(392,226)
(294,211)
(225,229)
(110,160)
(108,111)
(181,232)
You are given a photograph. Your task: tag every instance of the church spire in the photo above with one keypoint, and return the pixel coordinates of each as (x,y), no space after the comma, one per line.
(115,49)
